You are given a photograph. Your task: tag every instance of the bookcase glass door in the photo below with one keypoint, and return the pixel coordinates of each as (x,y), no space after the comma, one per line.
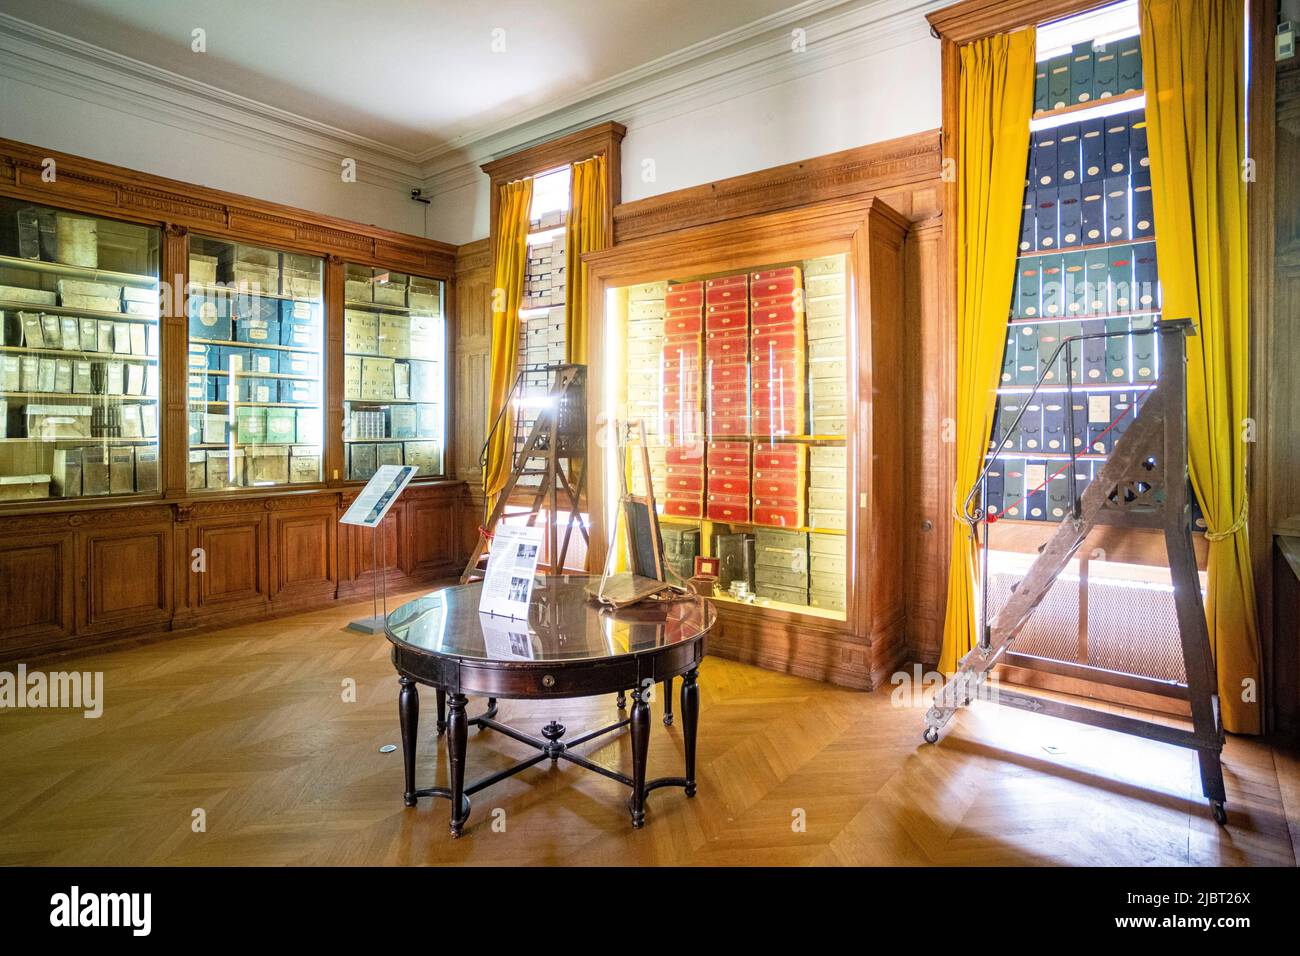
(394,372)
(255,383)
(79,355)
(741,380)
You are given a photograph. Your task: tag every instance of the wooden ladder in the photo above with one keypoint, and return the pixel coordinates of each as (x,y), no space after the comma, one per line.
(558,438)
(1143,484)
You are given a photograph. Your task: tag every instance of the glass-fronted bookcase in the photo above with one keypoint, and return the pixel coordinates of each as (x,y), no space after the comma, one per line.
(741,348)
(79,355)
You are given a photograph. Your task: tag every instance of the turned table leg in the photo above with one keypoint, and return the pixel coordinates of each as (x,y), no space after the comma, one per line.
(668,701)
(640,749)
(690,724)
(442,712)
(457,730)
(408,712)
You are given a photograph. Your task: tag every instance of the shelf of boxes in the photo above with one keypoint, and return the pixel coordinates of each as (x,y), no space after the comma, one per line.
(255,381)
(747,404)
(394,379)
(1086,264)
(79,349)
(542,338)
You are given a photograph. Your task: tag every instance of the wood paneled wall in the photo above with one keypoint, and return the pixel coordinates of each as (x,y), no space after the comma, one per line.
(72,578)
(469,407)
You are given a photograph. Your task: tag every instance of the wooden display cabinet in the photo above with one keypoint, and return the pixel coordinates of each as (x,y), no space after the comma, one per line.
(79,570)
(861,645)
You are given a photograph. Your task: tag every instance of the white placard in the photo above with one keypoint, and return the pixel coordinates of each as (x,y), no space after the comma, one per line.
(378,495)
(512,564)
(506,639)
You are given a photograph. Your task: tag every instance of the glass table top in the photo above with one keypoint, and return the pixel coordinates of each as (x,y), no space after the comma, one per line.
(563,624)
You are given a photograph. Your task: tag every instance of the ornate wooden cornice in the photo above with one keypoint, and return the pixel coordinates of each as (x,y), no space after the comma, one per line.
(863,170)
(473,256)
(972,19)
(575,147)
(126,194)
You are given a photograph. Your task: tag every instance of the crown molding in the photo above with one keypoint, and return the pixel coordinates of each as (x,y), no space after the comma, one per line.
(752,57)
(743,61)
(84,71)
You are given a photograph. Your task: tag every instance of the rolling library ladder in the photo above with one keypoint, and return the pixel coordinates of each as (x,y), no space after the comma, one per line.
(555,452)
(1143,484)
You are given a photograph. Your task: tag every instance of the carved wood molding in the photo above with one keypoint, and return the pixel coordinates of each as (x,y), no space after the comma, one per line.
(474,256)
(972,19)
(863,170)
(84,519)
(573,148)
(115,191)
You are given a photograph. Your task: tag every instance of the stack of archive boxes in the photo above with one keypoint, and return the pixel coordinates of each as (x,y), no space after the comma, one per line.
(544,281)
(777,351)
(828,507)
(827,344)
(779,484)
(645,343)
(682,432)
(781,565)
(726,351)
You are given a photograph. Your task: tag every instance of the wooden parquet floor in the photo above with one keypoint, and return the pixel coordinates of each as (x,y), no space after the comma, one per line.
(250,726)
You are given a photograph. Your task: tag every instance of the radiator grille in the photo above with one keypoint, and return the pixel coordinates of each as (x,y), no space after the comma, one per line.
(1132,626)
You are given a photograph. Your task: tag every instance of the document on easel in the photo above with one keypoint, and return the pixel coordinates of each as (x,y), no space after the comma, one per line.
(374,500)
(511,567)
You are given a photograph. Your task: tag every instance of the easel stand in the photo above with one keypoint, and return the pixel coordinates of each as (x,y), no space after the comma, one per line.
(378,591)
(1143,484)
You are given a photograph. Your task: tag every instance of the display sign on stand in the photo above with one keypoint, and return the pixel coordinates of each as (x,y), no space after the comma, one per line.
(368,511)
(511,568)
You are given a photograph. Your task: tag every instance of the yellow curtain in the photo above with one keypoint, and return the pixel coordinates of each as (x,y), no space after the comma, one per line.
(509,264)
(995,100)
(1193,60)
(588,192)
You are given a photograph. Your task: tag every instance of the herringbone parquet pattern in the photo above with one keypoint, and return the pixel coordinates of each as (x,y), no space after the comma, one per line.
(250,725)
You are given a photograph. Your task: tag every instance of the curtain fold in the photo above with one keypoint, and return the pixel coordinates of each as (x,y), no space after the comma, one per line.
(1193,58)
(995,101)
(585,232)
(509,265)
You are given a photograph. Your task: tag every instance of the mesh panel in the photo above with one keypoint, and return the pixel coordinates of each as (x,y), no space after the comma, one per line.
(1053,629)
(1133,629)
(1132,626)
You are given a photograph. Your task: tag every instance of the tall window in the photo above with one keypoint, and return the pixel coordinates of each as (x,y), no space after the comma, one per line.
(541,326)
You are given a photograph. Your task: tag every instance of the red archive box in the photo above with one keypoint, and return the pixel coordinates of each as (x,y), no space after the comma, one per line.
(684,295)
(785,374)
(728,481)
(732,398)
(685,456)
(778,485)
(731,455)
(775,315)
(774,282)
(727,288)
(767,397)
(683,426)
(684,507)
(727,508)
(689,485)
(683,322)
(778,343)
(728,344)
(779,456)
(733,425)
(719,375)
(778,513)
(720,318)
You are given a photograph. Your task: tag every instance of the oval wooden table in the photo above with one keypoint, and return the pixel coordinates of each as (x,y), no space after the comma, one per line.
(568,647)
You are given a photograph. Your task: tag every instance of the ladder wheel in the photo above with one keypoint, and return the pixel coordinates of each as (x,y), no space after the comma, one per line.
(931,735)
(1220,812)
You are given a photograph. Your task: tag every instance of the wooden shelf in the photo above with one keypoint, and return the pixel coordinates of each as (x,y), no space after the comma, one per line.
(193,402)
(77,353)
(79,272)
(276,375)
(783,606)
(255,345)
(1084,317)
(1093,247)
(678,519)
(1091,104)
(81,396)
(82,441)
(233,290)
(396,309)
(371,441)
(16,306)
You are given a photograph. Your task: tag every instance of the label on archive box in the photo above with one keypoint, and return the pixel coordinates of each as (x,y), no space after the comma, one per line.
(1099,409)
(1035,477)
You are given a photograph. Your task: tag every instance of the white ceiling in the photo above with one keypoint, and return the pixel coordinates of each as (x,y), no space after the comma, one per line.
(415,75)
